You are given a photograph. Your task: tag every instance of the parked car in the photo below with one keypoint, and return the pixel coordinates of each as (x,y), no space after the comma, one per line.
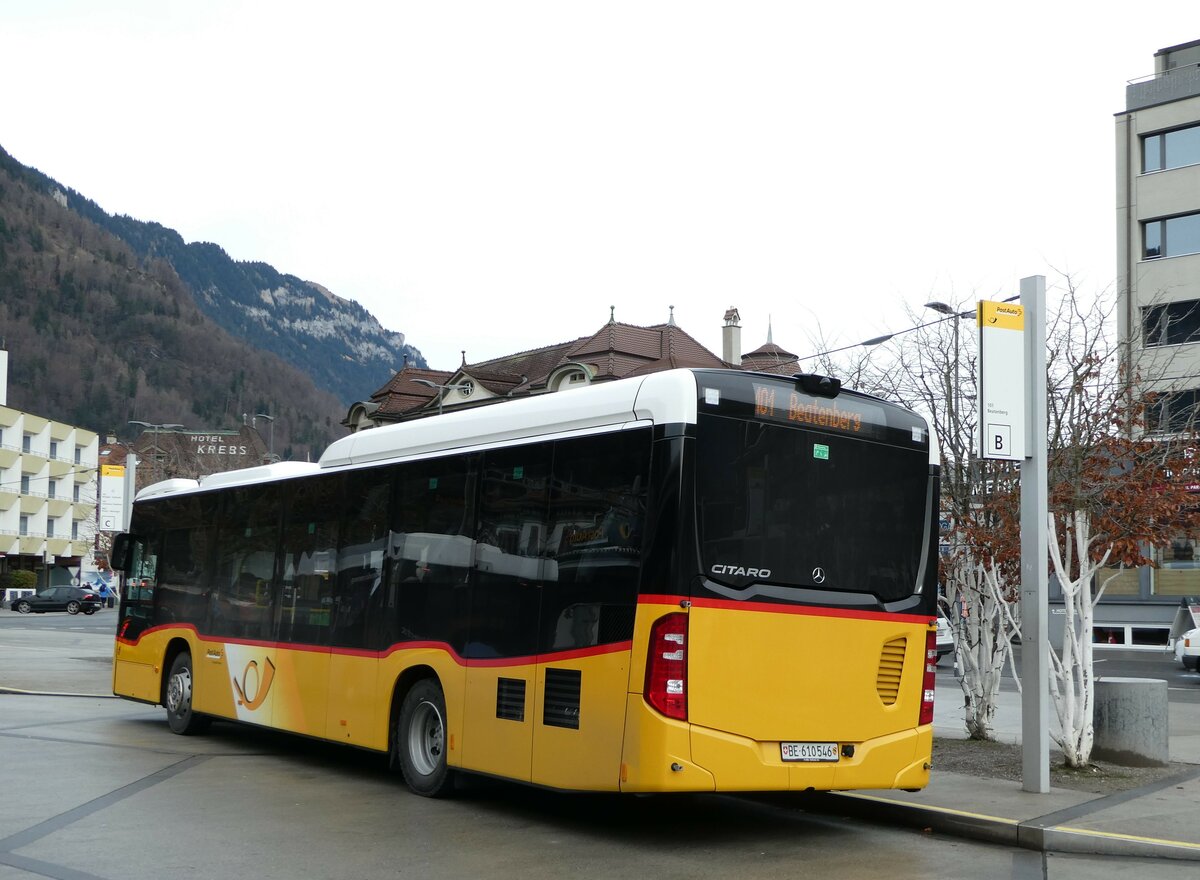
(1187,649)
(69,599)
(945,636)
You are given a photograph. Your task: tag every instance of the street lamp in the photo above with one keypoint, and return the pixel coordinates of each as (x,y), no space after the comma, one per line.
(442,389)
(156,429)
(271,442)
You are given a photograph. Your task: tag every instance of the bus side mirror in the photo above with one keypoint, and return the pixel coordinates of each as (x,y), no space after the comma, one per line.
(120,557)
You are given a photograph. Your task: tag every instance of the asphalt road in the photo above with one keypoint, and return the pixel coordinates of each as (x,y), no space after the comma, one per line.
(99,788)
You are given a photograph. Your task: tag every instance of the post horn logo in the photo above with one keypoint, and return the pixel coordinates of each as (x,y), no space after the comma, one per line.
(254,684)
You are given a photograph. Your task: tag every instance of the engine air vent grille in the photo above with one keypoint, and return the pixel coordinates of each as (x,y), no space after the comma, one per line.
(561,707)
(891,668)
(510,699)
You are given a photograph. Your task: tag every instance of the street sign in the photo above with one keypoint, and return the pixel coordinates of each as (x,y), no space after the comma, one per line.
(1001,380)
(112,498)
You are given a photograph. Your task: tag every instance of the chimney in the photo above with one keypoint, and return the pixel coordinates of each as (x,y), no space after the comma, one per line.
(731,337)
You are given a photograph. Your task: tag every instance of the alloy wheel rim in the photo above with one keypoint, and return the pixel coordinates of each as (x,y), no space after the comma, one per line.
(179,691)
(426,738)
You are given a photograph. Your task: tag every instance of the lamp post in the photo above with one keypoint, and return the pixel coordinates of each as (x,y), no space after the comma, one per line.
(271,441)
(442,389)
(156,429)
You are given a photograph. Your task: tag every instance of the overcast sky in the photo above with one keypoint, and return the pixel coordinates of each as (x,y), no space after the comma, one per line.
(493,176)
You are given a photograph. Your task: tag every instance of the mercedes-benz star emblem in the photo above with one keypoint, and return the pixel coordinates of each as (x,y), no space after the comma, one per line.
(818,575)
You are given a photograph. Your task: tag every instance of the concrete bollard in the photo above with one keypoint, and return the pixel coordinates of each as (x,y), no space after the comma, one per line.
(1129,720)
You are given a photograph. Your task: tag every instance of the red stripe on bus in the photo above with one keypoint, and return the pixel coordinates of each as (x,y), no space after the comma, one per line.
(782,608)
(528,660)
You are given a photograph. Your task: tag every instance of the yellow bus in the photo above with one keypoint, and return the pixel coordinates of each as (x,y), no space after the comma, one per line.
(694,580)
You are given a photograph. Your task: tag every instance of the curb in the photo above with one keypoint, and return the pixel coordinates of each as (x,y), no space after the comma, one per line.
(1048,833)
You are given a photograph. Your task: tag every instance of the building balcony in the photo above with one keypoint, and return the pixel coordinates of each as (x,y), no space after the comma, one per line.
(1162,88)
(10,542)
(32,545)
(57,507)
(59,546)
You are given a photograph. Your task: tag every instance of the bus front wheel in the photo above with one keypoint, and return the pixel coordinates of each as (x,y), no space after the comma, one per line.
(178,700)
(420,740)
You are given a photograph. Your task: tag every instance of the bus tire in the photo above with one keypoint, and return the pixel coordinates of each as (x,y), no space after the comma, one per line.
(420,739)
(178,698)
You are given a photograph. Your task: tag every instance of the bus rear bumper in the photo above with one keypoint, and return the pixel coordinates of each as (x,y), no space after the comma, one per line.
(664,755)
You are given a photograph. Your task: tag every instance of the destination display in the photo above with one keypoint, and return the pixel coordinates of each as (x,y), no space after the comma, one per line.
(784,401)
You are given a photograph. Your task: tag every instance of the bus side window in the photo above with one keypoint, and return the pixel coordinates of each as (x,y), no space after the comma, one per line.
(309,566)
(597,512)
(509,566)
(431,551)
(240,598)
(363,538)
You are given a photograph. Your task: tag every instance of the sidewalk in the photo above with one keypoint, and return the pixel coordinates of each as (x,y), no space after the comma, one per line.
(1160,820)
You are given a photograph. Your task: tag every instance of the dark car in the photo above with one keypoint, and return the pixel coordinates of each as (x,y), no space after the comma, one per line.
(69,599)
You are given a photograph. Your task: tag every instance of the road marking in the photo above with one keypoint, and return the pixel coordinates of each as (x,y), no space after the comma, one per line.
(1130,837)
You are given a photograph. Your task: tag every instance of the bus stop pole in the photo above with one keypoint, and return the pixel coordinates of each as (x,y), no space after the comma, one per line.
(1035,654)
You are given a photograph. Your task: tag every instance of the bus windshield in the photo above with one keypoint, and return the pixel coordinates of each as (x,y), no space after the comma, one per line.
(794,507)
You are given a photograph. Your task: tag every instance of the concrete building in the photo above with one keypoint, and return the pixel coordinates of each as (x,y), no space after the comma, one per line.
(48,493)
(1158,282)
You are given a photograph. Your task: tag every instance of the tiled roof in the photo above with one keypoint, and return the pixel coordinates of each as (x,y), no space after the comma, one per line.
(614,351)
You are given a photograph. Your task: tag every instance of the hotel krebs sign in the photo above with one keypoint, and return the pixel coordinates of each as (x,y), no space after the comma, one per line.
(216,444)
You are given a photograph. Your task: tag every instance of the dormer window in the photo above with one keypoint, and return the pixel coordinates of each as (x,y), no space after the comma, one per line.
(466,387)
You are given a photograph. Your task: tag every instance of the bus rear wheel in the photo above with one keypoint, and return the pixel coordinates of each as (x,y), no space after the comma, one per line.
(178,700)
(419,742)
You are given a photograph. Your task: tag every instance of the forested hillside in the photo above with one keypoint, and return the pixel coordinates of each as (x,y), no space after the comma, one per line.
(97,335)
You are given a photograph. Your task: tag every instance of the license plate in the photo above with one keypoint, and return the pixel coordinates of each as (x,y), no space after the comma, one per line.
(796,751)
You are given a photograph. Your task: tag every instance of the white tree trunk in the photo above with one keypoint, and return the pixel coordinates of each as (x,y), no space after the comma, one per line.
(1072,678)
(984,624)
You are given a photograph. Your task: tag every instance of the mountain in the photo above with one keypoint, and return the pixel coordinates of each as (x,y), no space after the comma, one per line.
(336,341)
(108,319)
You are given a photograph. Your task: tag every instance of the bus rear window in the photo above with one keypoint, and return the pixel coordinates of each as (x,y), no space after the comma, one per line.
(793,507)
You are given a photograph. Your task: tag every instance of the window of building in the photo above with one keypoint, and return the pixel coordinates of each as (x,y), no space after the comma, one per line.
(74,530)
(1171,412)
(54,449)
(1171,237)
(1171,149)
(76,496)
(24,526)
(1172,323)
(27,443)
(78,455)
(24,484)
(53,492)
(1177,567)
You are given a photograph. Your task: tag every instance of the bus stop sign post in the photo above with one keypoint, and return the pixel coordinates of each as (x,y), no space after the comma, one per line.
(1012,427)
(1035,652)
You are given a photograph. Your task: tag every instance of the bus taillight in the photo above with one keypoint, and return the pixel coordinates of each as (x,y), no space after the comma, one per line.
(928,678)
(666,666)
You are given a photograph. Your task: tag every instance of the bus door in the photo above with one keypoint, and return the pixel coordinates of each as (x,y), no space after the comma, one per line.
(134,671)
(499,706)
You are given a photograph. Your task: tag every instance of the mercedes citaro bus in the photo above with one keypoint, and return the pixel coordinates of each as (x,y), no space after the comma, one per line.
(694,580)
